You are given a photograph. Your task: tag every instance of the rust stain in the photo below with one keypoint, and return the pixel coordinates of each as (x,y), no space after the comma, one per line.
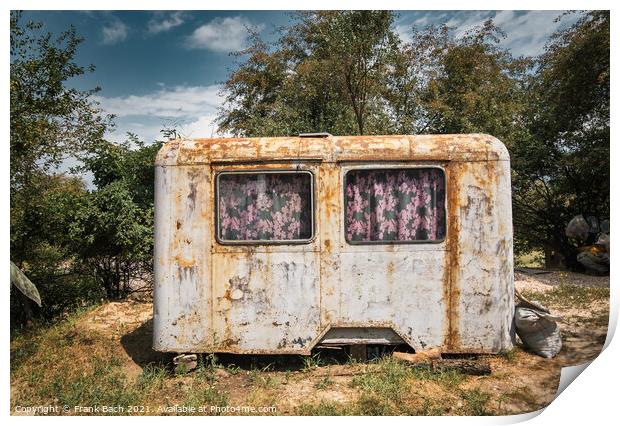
(390,269)
(474,147)
(185,263)
(451,268)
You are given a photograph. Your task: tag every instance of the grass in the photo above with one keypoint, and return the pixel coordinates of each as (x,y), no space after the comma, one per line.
(198,395)
(324,383)
(476,402)
(323,408)
(386,381)
(510,355)
(311,362)
(68,363)
(389,389)
(532,259)
(524,394)
(153,376)
(569,295)
(449,378)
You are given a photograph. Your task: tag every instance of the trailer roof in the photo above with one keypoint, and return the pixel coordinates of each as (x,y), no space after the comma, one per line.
(464,147)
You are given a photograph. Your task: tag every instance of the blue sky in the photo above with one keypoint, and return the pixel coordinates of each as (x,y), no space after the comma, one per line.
(165,68)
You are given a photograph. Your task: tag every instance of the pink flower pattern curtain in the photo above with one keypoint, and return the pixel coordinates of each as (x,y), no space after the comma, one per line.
(395,205)
(265,206)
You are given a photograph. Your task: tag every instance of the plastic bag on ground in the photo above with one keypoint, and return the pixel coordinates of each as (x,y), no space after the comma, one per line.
(578,228)
(538,329)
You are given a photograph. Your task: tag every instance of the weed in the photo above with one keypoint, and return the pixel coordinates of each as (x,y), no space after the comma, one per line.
(375,405)
(207,396)
(324,383)
(152,376)
(387,382)
(509,355)
(476,402)
(233,369)
(532,259)
(311,362)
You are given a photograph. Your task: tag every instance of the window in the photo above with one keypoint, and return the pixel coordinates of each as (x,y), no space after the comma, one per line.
(272,206)
(395,205)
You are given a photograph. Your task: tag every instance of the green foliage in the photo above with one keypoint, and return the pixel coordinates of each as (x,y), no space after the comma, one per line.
(77,245)
(312,361)
(387,383)
(49,120)
(152,376)
(448,377)
(324,383)
(104,384)
(111,231)
(563,169)
(325,74)
(345,72)
(49,123)
(475,86)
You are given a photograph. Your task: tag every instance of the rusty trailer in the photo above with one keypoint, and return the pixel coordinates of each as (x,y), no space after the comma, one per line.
(277,245)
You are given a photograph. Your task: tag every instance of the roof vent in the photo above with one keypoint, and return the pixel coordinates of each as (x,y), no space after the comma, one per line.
(315,135)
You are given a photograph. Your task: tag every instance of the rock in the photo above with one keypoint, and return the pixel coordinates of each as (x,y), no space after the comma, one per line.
(184,363)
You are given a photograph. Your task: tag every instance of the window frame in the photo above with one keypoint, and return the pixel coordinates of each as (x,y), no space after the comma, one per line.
(393,167)
(264,242)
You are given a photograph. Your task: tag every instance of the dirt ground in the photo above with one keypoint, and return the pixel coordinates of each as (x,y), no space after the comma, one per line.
(327,383)
(584,325)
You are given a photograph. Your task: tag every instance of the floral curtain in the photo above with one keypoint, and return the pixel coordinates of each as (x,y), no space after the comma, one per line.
(395,205)
(265,206)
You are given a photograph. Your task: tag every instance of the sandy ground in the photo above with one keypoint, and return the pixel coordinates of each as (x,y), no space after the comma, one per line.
(584,329)
(521,382)
(547,281)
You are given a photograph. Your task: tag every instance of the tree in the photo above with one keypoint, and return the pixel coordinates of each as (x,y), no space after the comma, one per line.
(408,76)
(325,73)
(49,123)
(50,262)
(563,169)
(111,231)
(359,47)
(474,86)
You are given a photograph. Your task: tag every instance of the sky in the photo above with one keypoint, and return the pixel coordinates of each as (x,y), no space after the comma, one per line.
(165,69)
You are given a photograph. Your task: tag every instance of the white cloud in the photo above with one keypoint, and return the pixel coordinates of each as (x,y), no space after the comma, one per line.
(221,34)
(202,127)
(526,32)
(173,102)
(162,23)
(114,32)
(190,110)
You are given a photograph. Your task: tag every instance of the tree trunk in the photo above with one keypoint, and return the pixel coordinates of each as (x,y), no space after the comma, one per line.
(554,259)
(27,308)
